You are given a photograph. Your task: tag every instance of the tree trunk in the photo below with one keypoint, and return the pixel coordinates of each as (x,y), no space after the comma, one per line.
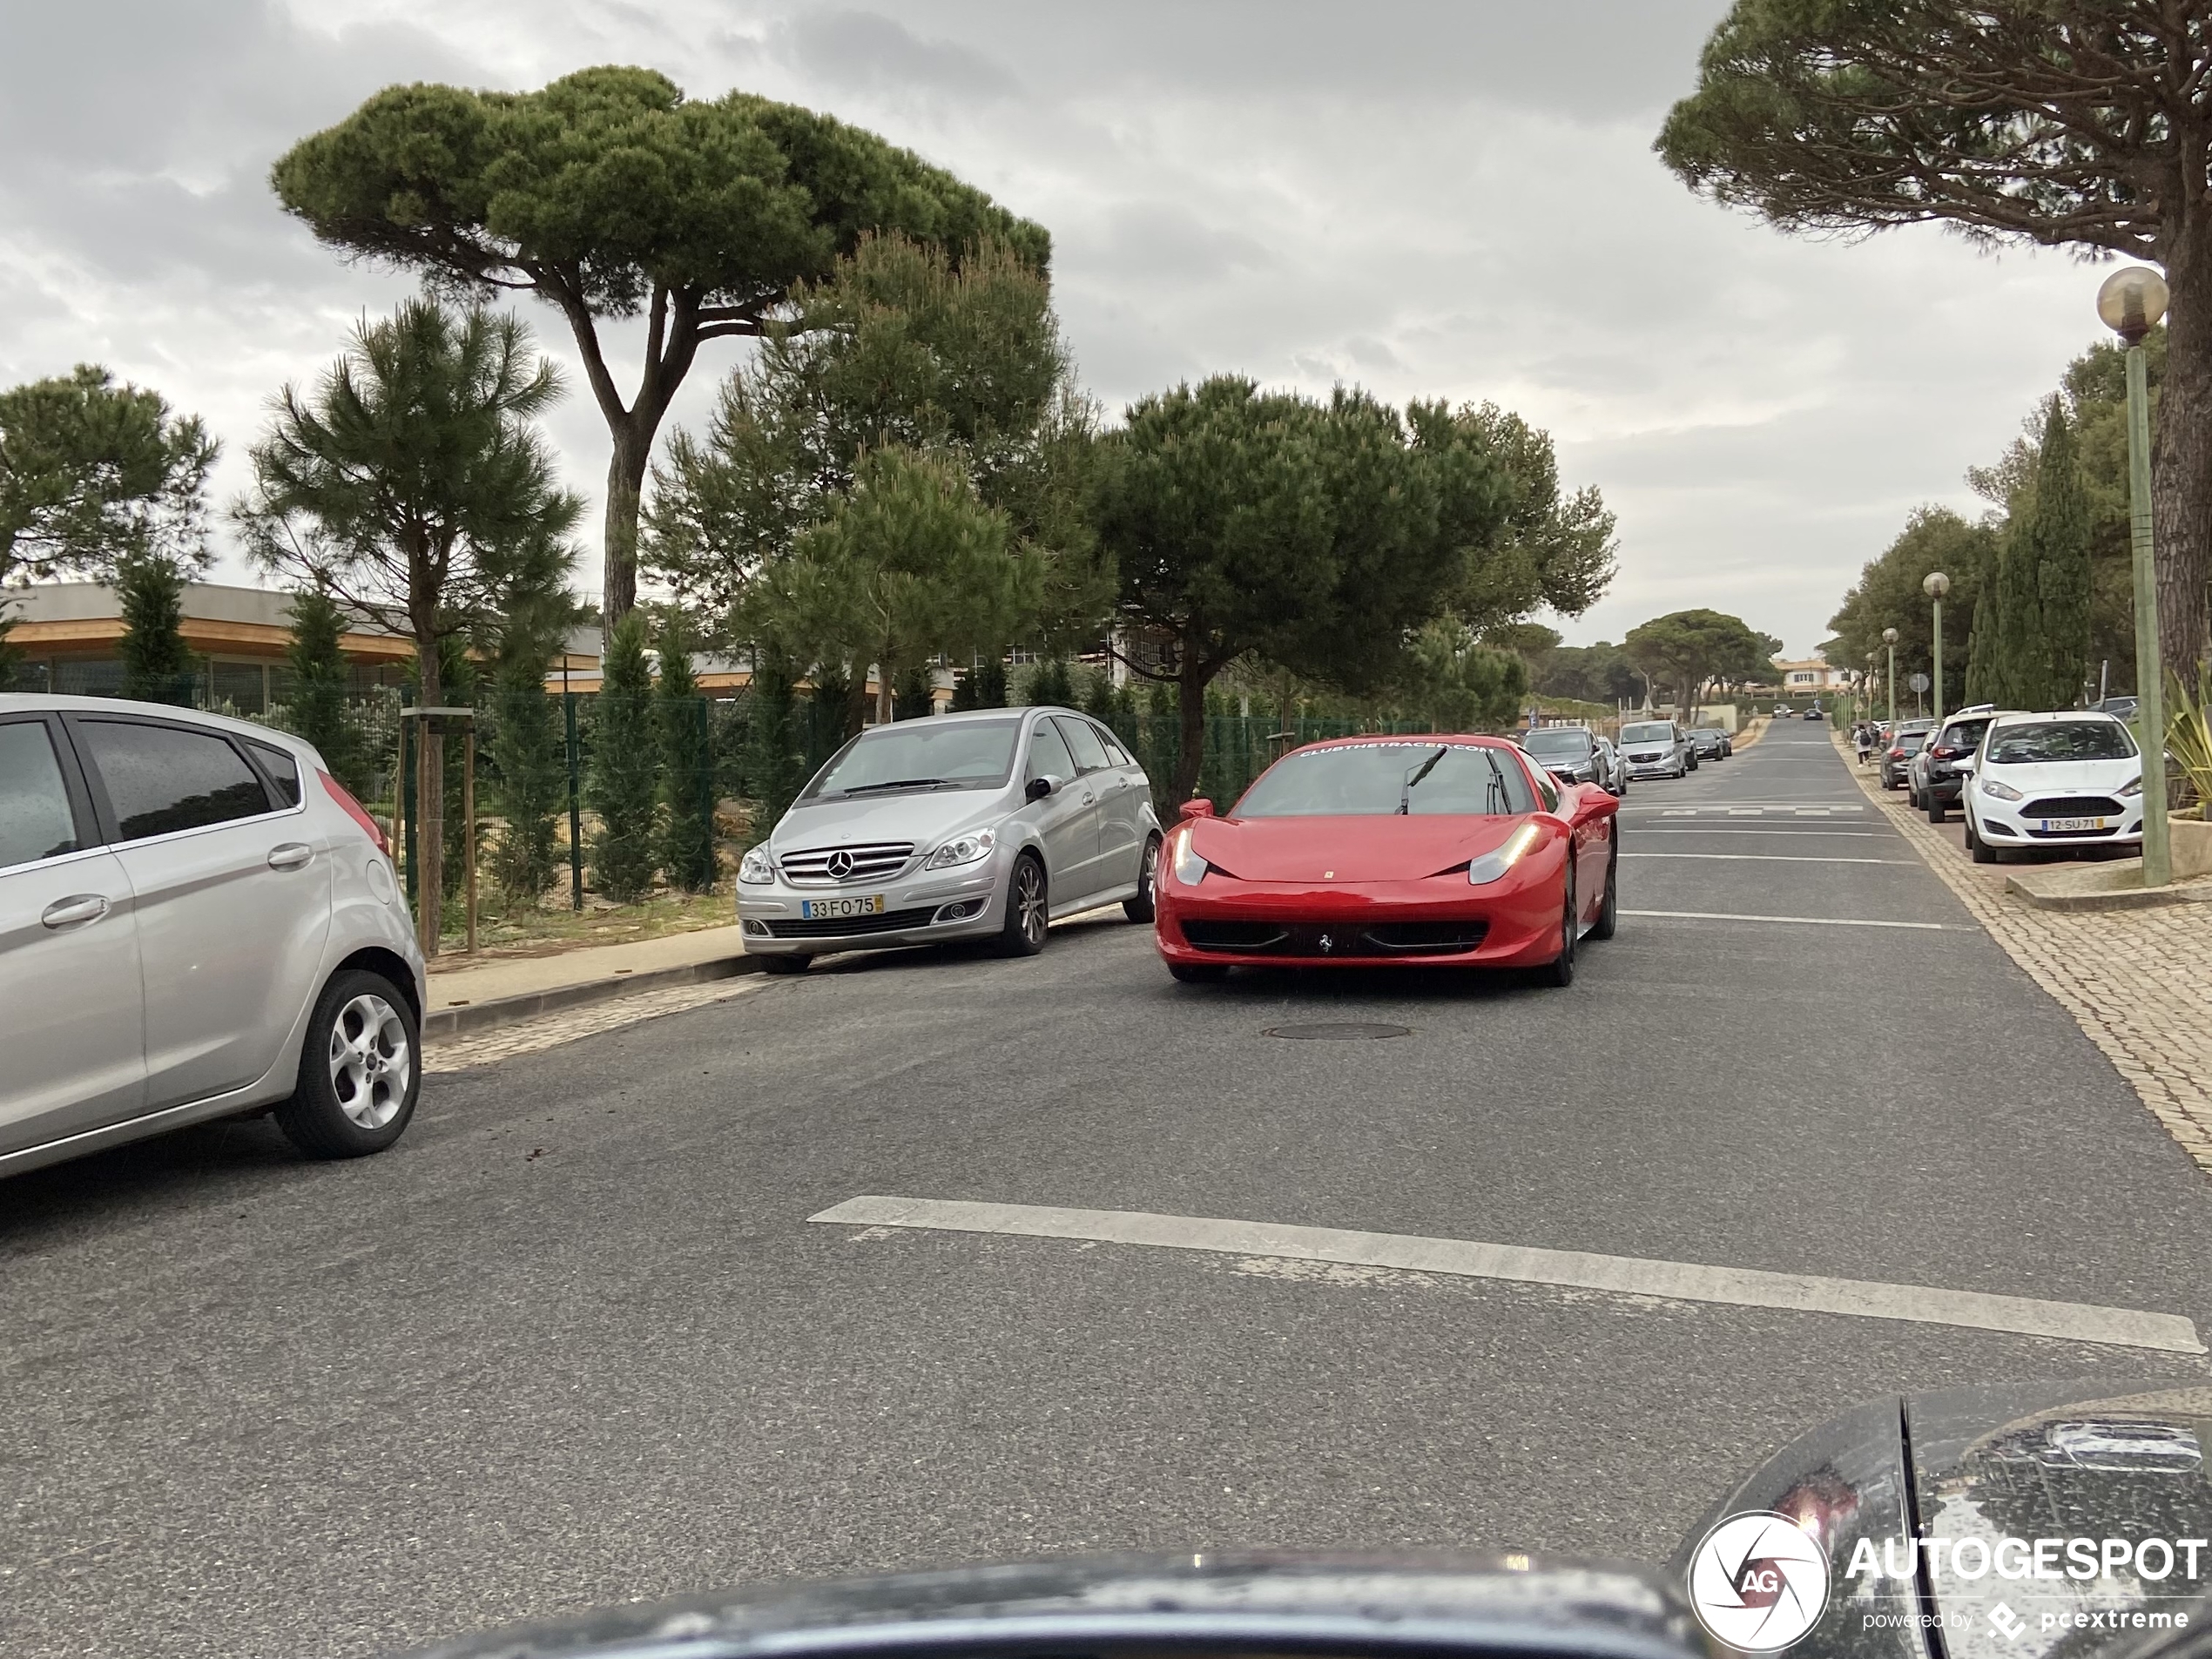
(625,491)
(2181,457)
(430,793)
(885,714)
(1192,759)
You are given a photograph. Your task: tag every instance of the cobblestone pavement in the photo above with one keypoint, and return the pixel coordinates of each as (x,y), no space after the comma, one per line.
(2138,982)
(527,1037)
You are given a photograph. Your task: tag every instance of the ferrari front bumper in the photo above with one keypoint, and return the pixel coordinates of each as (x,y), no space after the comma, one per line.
(1441,920)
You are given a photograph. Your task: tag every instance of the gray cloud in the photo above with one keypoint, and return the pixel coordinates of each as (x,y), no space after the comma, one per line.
(1435,198)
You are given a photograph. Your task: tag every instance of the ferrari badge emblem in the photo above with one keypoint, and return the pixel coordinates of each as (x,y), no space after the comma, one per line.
(1328,876)
(1327,943)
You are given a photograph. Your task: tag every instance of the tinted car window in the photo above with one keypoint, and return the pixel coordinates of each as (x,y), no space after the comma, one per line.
(1369,780)
(1083,742)
(2027,745)
(161,778)
(1048,755)
(283,770)
(1114,752)
(35,820)
(1558,740)
(1648,731)
(1965,735)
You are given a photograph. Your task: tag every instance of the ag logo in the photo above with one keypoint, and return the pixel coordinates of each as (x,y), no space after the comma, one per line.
(1757,1583)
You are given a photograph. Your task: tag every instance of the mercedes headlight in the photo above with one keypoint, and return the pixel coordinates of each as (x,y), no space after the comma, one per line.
(2001,791)
(757,869)
(961,849)
(1190,868)
(1492,865)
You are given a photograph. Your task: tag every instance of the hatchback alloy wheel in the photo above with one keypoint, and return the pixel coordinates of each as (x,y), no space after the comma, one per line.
(371,1062)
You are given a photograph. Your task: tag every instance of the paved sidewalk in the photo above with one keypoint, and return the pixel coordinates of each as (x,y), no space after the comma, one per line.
(456,982)
(2138,983)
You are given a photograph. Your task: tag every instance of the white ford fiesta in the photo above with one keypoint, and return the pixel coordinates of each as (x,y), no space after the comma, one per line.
(196,921)
(2057,780)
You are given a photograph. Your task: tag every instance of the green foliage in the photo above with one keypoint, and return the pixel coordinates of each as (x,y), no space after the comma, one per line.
(686,767)
(156,664)
(1548,549)
(625,766)
(608,193)
(1597,674)
(2189,732)
(412,483)
(908,564)
(1050,683)
(2031,650)
(917,692)
(528,748)
(901,348)
(1888,595)
(1687,650)
(1460,685)
(776,760)
(93,473)
(319,685)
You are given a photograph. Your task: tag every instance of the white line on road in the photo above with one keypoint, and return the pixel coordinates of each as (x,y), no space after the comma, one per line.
(1766,857)
(1799,922)
(1625,1275)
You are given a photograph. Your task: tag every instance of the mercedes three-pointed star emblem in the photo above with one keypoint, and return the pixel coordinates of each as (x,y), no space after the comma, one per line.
(840,865)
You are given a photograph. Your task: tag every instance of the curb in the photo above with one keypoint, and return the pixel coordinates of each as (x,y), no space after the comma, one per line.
(2117,899)
(505,1010)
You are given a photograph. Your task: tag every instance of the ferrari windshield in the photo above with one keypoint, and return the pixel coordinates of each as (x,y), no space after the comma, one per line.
(2047,740)
(1648,731)
(1363,780)
(920,754)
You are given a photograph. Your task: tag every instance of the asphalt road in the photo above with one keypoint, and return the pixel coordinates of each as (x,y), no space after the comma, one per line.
(575,1341)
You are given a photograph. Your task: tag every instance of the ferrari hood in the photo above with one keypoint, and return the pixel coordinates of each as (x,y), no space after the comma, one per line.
(1366,848)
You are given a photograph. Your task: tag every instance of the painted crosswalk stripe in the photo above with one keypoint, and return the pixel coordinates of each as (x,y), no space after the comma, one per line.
(1799,921)
(1624,1275)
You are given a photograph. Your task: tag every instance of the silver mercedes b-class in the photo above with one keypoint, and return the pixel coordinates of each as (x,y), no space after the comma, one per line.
(982,825)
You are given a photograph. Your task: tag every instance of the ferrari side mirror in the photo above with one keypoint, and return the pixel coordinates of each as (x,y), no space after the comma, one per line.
(1197,808)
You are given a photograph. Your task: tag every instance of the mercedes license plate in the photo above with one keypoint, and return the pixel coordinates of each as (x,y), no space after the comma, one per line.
(839,909)
(2061,826)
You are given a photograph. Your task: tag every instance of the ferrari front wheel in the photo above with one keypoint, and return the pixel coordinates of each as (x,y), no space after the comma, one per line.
(1560,970)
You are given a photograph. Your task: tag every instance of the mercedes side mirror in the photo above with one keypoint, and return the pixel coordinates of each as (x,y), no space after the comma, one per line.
(1040,787)
(1198,807)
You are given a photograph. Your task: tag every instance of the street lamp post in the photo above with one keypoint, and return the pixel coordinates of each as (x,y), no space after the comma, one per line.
(1889,638)
(2131,302)
(1935,587)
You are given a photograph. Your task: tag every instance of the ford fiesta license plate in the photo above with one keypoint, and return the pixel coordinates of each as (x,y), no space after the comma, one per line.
(839,909)
(2067,826)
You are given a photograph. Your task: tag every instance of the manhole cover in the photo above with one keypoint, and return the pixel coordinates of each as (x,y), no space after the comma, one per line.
(1337,1033)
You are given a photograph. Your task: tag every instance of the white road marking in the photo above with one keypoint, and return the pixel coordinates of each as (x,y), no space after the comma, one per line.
(1799,922)
(1624,1275)
(1766,857)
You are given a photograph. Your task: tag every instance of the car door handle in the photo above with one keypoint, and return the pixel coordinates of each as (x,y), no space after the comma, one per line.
(291,855)
(78,910)
(1089,797)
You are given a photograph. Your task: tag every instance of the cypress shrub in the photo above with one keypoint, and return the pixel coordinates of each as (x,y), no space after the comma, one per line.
(156,664)
(687,768)
(625,764)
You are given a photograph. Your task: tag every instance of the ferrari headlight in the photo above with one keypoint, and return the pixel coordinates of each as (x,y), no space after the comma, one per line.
(1190,868)
(2001,791)
(1492,865)
(2134,787)
(961,849)
(757,869)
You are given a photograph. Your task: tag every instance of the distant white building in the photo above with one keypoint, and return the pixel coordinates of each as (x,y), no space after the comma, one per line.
(1810,677)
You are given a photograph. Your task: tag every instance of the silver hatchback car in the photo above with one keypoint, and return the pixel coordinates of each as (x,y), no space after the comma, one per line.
(196,921)
(981,825)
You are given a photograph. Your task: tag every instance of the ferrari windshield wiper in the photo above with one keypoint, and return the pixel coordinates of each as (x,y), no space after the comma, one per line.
(900,783)
(1405,795)
(1495,789)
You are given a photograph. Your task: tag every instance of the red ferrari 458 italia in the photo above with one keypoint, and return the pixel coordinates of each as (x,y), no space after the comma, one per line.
(1435,850)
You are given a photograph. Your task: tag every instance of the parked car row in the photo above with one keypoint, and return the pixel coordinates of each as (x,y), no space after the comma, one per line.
(2072,777)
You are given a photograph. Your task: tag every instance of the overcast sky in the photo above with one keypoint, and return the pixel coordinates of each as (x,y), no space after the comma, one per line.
(1452,198)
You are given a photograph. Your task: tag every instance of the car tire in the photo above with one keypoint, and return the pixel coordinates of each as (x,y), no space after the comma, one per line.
(785,964)
(1608,914)
(361,1069)
(1140,908)
(1029,913)
(1199,973)
(1980,850)
(1559,971)
(1937,811)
